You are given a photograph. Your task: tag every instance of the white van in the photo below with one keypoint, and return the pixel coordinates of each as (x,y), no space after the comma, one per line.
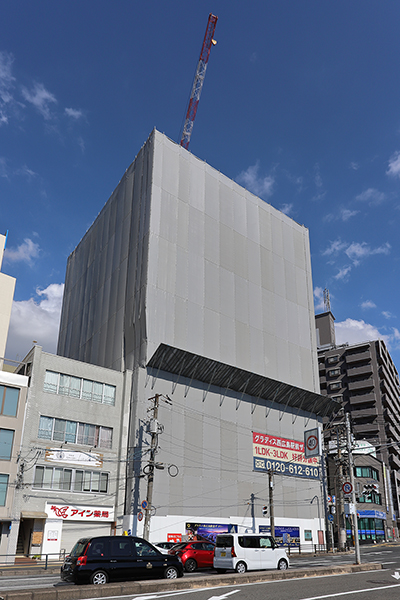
(248,551)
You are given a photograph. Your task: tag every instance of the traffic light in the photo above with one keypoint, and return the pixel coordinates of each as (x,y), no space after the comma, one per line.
(265,510)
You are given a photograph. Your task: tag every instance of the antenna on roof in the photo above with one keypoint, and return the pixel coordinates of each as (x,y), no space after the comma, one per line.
(327,302)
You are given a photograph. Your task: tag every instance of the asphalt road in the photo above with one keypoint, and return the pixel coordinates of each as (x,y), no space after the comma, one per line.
(388,556)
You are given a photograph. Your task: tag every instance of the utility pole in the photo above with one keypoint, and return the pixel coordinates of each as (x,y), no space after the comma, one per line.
(353,492)
(253,517)
(271,502)
(155,429)
(339,495)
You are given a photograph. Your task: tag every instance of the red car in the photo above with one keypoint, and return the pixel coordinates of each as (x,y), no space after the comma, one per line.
(194,555)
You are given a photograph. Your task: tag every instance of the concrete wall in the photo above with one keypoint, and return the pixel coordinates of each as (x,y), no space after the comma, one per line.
(7,285)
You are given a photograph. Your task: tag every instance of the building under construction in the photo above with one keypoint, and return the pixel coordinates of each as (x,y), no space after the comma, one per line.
(204,291)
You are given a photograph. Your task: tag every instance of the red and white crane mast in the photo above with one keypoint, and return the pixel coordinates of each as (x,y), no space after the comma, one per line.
(198,80)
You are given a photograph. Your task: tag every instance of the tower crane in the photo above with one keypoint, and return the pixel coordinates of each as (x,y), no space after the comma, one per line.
(198,80)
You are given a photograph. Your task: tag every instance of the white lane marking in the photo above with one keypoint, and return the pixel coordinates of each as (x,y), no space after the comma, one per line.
(396,575)
(339,594)
(223,595)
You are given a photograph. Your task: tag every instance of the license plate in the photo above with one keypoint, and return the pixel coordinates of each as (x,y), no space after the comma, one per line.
(223,553)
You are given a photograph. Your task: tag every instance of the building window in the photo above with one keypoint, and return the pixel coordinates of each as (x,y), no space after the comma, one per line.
(335,386)
(334,372)
(368,472)
(87,434)
(6,443)
(75,480)
(373,498)
(8,401)
(337,398)
(332,359)
(3,488)
(76,387)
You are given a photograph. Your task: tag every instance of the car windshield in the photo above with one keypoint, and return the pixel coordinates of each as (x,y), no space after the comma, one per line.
(180,546)
(79,547)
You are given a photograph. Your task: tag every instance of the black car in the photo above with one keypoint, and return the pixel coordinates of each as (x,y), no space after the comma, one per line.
(111,558)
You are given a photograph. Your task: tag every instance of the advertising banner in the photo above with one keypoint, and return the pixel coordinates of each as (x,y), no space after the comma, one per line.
(284,536)
(280,455)
(72,512)
(208,531)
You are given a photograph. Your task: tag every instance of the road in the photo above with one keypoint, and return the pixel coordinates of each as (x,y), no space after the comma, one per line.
(300,589)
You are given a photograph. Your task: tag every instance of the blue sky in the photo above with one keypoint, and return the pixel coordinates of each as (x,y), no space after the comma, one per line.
(301,105)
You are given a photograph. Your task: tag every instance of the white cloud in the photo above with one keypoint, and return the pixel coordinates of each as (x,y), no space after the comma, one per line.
(74,113)
(3,167)
(357,251)
(6,86)
(343,272)
(346,214)
(335,247)
(394,165)
(387,314)
(368,304)
(35,320)
(25,252)
(319,299)
(352,331)
(355,166)
(286,208)
(41,99)
(260,186)
(372,196)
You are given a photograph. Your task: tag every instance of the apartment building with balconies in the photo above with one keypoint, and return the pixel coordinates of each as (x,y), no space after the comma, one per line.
(364,379)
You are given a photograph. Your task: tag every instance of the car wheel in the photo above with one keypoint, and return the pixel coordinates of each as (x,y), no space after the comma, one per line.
(171,573)
(282,565)
(190,565)
(221,571)
(99,578)
(241,567)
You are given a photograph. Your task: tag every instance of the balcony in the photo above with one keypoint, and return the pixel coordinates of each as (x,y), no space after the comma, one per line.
(360,385)
(356,371)
(392,432)
(363,428)
(361,414)
(358,356)
(394,461)
(362,399)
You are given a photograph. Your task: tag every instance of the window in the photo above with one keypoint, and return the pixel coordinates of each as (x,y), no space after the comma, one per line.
(8,401)
(3,488)
(75,480)
(332,359)
(6,442)
(372,498)
(87,434)
(335,386)
(337,398)
(334,372)
(369,472)
(76,387)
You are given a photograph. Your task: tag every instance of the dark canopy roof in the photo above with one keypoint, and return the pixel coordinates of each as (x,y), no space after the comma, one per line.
(195,367)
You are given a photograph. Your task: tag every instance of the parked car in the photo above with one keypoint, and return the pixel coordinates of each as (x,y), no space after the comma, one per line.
(110,558)
(165,546)
(194,555)
(244,552)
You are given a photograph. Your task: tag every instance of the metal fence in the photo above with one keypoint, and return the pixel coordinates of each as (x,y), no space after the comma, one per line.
(41,561)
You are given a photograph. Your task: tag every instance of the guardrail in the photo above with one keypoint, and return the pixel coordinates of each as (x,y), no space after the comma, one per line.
(42,561)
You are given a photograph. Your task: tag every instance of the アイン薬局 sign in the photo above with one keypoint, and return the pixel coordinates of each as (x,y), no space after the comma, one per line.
(283,456)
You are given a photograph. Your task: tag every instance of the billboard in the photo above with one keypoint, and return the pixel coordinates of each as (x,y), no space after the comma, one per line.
(283,456)
(284,536)
(208,531)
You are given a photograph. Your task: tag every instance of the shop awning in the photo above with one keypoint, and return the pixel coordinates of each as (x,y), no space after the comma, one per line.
(26,514)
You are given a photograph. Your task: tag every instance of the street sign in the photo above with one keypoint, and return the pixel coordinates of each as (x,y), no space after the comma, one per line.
(347,487)
(144,504)
(330,518)
(329,499)
(312,442)
(140,516)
